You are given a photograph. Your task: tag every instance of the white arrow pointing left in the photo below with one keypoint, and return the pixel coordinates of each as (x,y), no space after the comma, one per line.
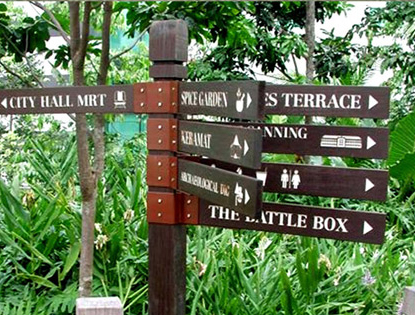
(247,198)
(4,103)
(368,185)
(246,147)
(366,228)
(248,100)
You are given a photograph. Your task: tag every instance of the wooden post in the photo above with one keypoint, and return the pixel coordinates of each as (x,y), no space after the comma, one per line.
(408,306)
(99,306)
(167,240)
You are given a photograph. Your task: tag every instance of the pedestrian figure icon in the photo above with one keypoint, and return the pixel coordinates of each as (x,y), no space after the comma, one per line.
(285,178)
(290,180)
(296,180)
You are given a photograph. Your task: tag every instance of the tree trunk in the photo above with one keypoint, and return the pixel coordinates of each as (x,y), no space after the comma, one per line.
(89,175)
(310,40)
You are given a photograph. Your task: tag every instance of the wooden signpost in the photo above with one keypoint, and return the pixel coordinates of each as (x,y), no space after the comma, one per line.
(314,180)
(80,99)
(359,142)
(242,193)
(228,194)
(237,145)
(241,100)
(357,226)
(334,101)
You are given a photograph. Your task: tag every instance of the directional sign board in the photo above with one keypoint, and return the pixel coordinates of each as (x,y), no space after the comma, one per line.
(236,99)
(366,227)
(358,142)
(79,99)
(335,101)
(233,144)
(242,193)
(325,181)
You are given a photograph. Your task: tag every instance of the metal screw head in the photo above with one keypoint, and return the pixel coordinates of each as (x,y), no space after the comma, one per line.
(173,164)
(159,141)
(159,214)
(159,178)
(160,90)
(173,127)
(173,104)
(173,88)
(159,104)
(173,141)
(159,164)
(142,90)
(160,127)
(189,215)
(142,104)
(173,179)
(189,201)
(160,200)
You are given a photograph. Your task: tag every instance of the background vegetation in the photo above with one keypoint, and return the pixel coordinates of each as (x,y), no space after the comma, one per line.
(229,272)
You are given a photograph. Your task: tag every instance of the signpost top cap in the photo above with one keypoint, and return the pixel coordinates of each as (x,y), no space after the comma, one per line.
(169,41)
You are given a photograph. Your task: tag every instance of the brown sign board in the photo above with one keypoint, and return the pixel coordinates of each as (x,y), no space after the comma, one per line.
(324,181)
(334,101)
(359,142)
(366,227)
(233,99)
(232,144)
(73,99)
(242,193)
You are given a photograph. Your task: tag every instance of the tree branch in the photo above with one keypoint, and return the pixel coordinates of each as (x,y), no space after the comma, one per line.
(85,30)
(74,27)
(27,82)
(105,52)
(131,47)
(55,22)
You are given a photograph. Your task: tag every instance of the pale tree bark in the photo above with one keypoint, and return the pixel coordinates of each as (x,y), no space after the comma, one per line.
(90,171)
(311,44)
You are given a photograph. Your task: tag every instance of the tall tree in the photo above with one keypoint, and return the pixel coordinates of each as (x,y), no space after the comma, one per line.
(90,170)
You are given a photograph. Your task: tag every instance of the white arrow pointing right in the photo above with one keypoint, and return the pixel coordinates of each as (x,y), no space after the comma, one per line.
(248,100)
(246,147)
(366,228)
(247,198)
(4,103)
(368,185)
(372,102)
(370,143)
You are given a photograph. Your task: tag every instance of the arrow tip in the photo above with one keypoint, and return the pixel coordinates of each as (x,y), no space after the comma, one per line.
(368,185)
(370,143)
(366,228)
(246,147)
(4,103)
(249,100)
(372,102)
(247,198)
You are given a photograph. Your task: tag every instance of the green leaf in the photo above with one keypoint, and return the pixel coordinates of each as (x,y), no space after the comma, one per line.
(402,139)
(405,168)
(40,280)
(71,259)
